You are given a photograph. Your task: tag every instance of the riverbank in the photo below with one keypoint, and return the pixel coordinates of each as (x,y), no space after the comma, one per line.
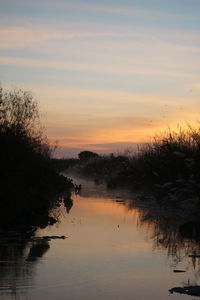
(30,184)
(169,167)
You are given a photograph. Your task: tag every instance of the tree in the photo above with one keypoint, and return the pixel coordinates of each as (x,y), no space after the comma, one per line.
(20,122)
(28,178)
(86,155)
(18,111)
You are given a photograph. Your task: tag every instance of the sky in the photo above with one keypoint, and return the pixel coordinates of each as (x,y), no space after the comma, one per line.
(106,74)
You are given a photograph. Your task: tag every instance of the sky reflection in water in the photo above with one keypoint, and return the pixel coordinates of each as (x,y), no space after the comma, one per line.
(114,250)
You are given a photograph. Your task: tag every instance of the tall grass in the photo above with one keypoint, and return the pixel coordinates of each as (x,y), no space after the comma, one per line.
(172,156)
(170,163)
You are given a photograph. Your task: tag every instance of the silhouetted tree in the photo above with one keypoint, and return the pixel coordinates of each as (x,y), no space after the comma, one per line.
(27,175)
(19,118)
(86,155)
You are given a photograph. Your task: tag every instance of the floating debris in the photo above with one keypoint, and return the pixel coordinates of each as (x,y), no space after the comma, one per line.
(192,290)
(179,271)
(46,238)
(55,237)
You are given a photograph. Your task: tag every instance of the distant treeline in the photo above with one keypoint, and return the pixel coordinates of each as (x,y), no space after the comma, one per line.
(169,166)
(28,180)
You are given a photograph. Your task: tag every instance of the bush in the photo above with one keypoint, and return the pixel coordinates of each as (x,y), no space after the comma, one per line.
(170,165)
(28,180)
(87,155)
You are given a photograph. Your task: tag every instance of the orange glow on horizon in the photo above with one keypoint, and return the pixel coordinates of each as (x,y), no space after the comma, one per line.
(103,139)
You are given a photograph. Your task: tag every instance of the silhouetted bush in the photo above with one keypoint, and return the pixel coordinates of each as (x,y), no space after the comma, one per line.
(28,180)
(87,155)
(170,165)
(62,164)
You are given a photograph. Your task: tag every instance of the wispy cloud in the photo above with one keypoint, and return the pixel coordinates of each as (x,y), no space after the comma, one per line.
(120,130)
(117,134)
(79,117)
(106,96)
(128,58)
(125,10)
(63,65)
(113,9)
(19,37)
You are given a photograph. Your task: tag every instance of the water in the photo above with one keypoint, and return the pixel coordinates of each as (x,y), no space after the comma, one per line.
(115,249)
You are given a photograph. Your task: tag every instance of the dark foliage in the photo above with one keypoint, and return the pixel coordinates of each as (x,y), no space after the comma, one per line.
(28,180)
(170,165)
(63,164)
(87,155)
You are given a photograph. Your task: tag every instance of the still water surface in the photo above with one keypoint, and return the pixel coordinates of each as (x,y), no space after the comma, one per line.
(114,250)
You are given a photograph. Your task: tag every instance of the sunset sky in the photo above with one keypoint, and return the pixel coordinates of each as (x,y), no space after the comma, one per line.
(106,73)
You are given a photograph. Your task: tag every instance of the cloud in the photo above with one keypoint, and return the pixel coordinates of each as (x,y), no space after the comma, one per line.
(90,67)
(91,118)
(83,107)
(21,37)
(124,131)
(89,104)
(115,9)
(118,133)
(117,38)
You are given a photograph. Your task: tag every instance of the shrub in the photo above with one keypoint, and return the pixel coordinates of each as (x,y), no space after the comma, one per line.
(28,180)
(170,164)
(87,155)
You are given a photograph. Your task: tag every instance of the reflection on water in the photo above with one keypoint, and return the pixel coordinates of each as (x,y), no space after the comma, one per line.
(37,251)
(68,202)
(116,248)
(17,267)
(178,232)
(170,229)
(188,290)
